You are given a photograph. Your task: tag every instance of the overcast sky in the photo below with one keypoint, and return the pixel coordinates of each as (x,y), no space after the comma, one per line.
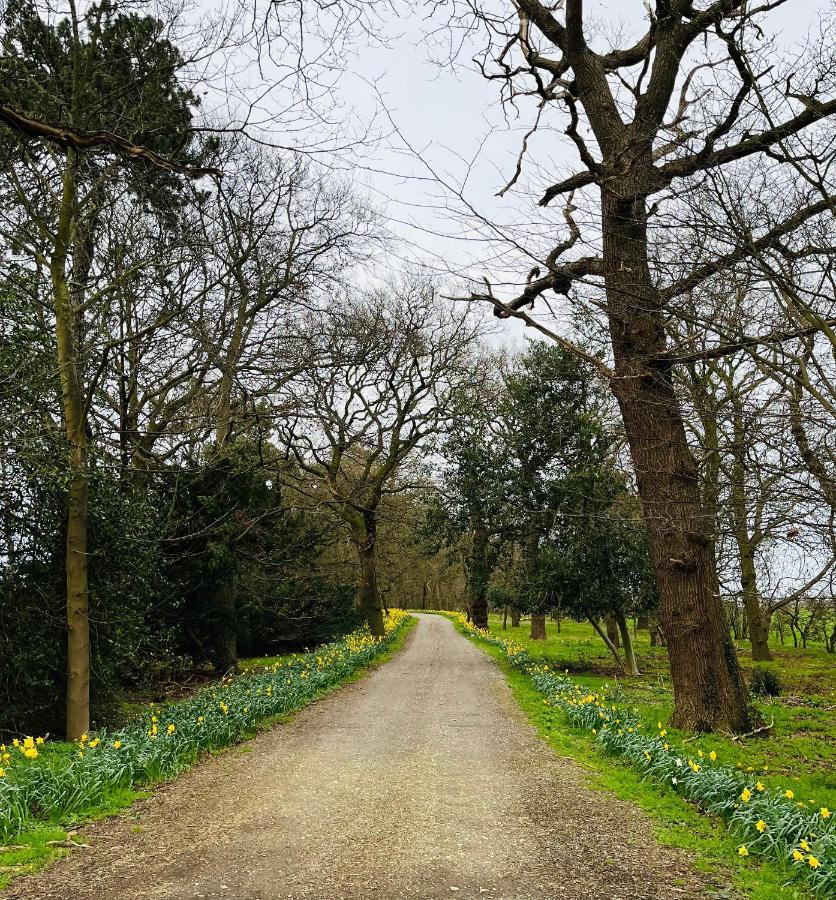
(451,117)
(448,124)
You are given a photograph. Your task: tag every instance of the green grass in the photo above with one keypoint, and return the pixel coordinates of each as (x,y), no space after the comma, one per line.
(676,823)
(59,756)
(800,753)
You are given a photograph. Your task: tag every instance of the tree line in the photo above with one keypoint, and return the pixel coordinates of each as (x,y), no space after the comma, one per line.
(218,417)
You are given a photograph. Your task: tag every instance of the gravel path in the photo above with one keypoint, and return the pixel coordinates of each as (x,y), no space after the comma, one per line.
(421,781)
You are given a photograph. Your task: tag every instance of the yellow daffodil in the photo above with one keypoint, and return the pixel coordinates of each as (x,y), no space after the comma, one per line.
(804,845)
(746,796)
(713,756)
(171,729)
(789,794)
(117,745)
(824,812)
(759,787)
(812,862)
(797,855)
(760,825)
(742,851)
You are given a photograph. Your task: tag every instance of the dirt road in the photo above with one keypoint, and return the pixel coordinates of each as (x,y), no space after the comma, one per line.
(421,781)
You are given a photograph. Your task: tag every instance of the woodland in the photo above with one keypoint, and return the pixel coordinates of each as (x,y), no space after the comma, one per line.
(240,417)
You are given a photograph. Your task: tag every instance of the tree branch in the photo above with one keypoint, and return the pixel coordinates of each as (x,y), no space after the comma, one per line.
(89,140)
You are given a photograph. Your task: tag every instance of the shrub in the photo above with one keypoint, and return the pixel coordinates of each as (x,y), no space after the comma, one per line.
(765,682)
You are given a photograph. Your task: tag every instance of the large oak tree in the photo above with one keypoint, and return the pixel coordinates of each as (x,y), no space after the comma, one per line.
(697,94)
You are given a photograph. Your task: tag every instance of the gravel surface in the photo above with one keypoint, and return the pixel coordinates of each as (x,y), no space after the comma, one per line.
(421,781)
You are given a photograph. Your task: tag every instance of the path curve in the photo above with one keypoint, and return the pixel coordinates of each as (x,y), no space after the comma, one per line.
(421,781)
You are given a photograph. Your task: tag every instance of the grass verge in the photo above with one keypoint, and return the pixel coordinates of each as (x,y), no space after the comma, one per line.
(676,822)
(26,851)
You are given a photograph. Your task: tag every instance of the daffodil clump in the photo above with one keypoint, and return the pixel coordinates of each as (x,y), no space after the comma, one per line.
(37,784)
(769,821)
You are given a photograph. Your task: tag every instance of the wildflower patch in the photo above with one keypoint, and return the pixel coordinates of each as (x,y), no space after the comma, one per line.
(798,834)
(37,784)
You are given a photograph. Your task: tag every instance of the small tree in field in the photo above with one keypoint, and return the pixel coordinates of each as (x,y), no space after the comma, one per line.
(377,373)
(545,426)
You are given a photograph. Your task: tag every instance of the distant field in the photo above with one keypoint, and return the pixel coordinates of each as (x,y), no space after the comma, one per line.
(800,753)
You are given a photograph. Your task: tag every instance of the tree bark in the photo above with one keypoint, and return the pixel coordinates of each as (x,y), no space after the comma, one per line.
(746,543)
(538,627)
(609,644)
(368,596)
(478,572)
(757,619)
(630,665)
(75,426)
(708,686)
(515,617)
(612,630)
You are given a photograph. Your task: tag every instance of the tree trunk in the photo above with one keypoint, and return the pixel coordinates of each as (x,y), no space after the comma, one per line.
(478,572)
(709,691)
(515,617)
(609,644)
(630,665)
(538,627)
(505,618)
(758,621)
(657,636)
(368,596)
(612,630)
(75,428)
(758,630)
(225,630)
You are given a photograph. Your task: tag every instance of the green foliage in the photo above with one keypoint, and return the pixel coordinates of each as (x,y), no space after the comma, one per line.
(117,72)
(583,541)
(162,546)
(233,533)
(130,642)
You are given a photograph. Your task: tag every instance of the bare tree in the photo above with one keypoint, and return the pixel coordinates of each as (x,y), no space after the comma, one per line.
(379,373)
(690,99)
